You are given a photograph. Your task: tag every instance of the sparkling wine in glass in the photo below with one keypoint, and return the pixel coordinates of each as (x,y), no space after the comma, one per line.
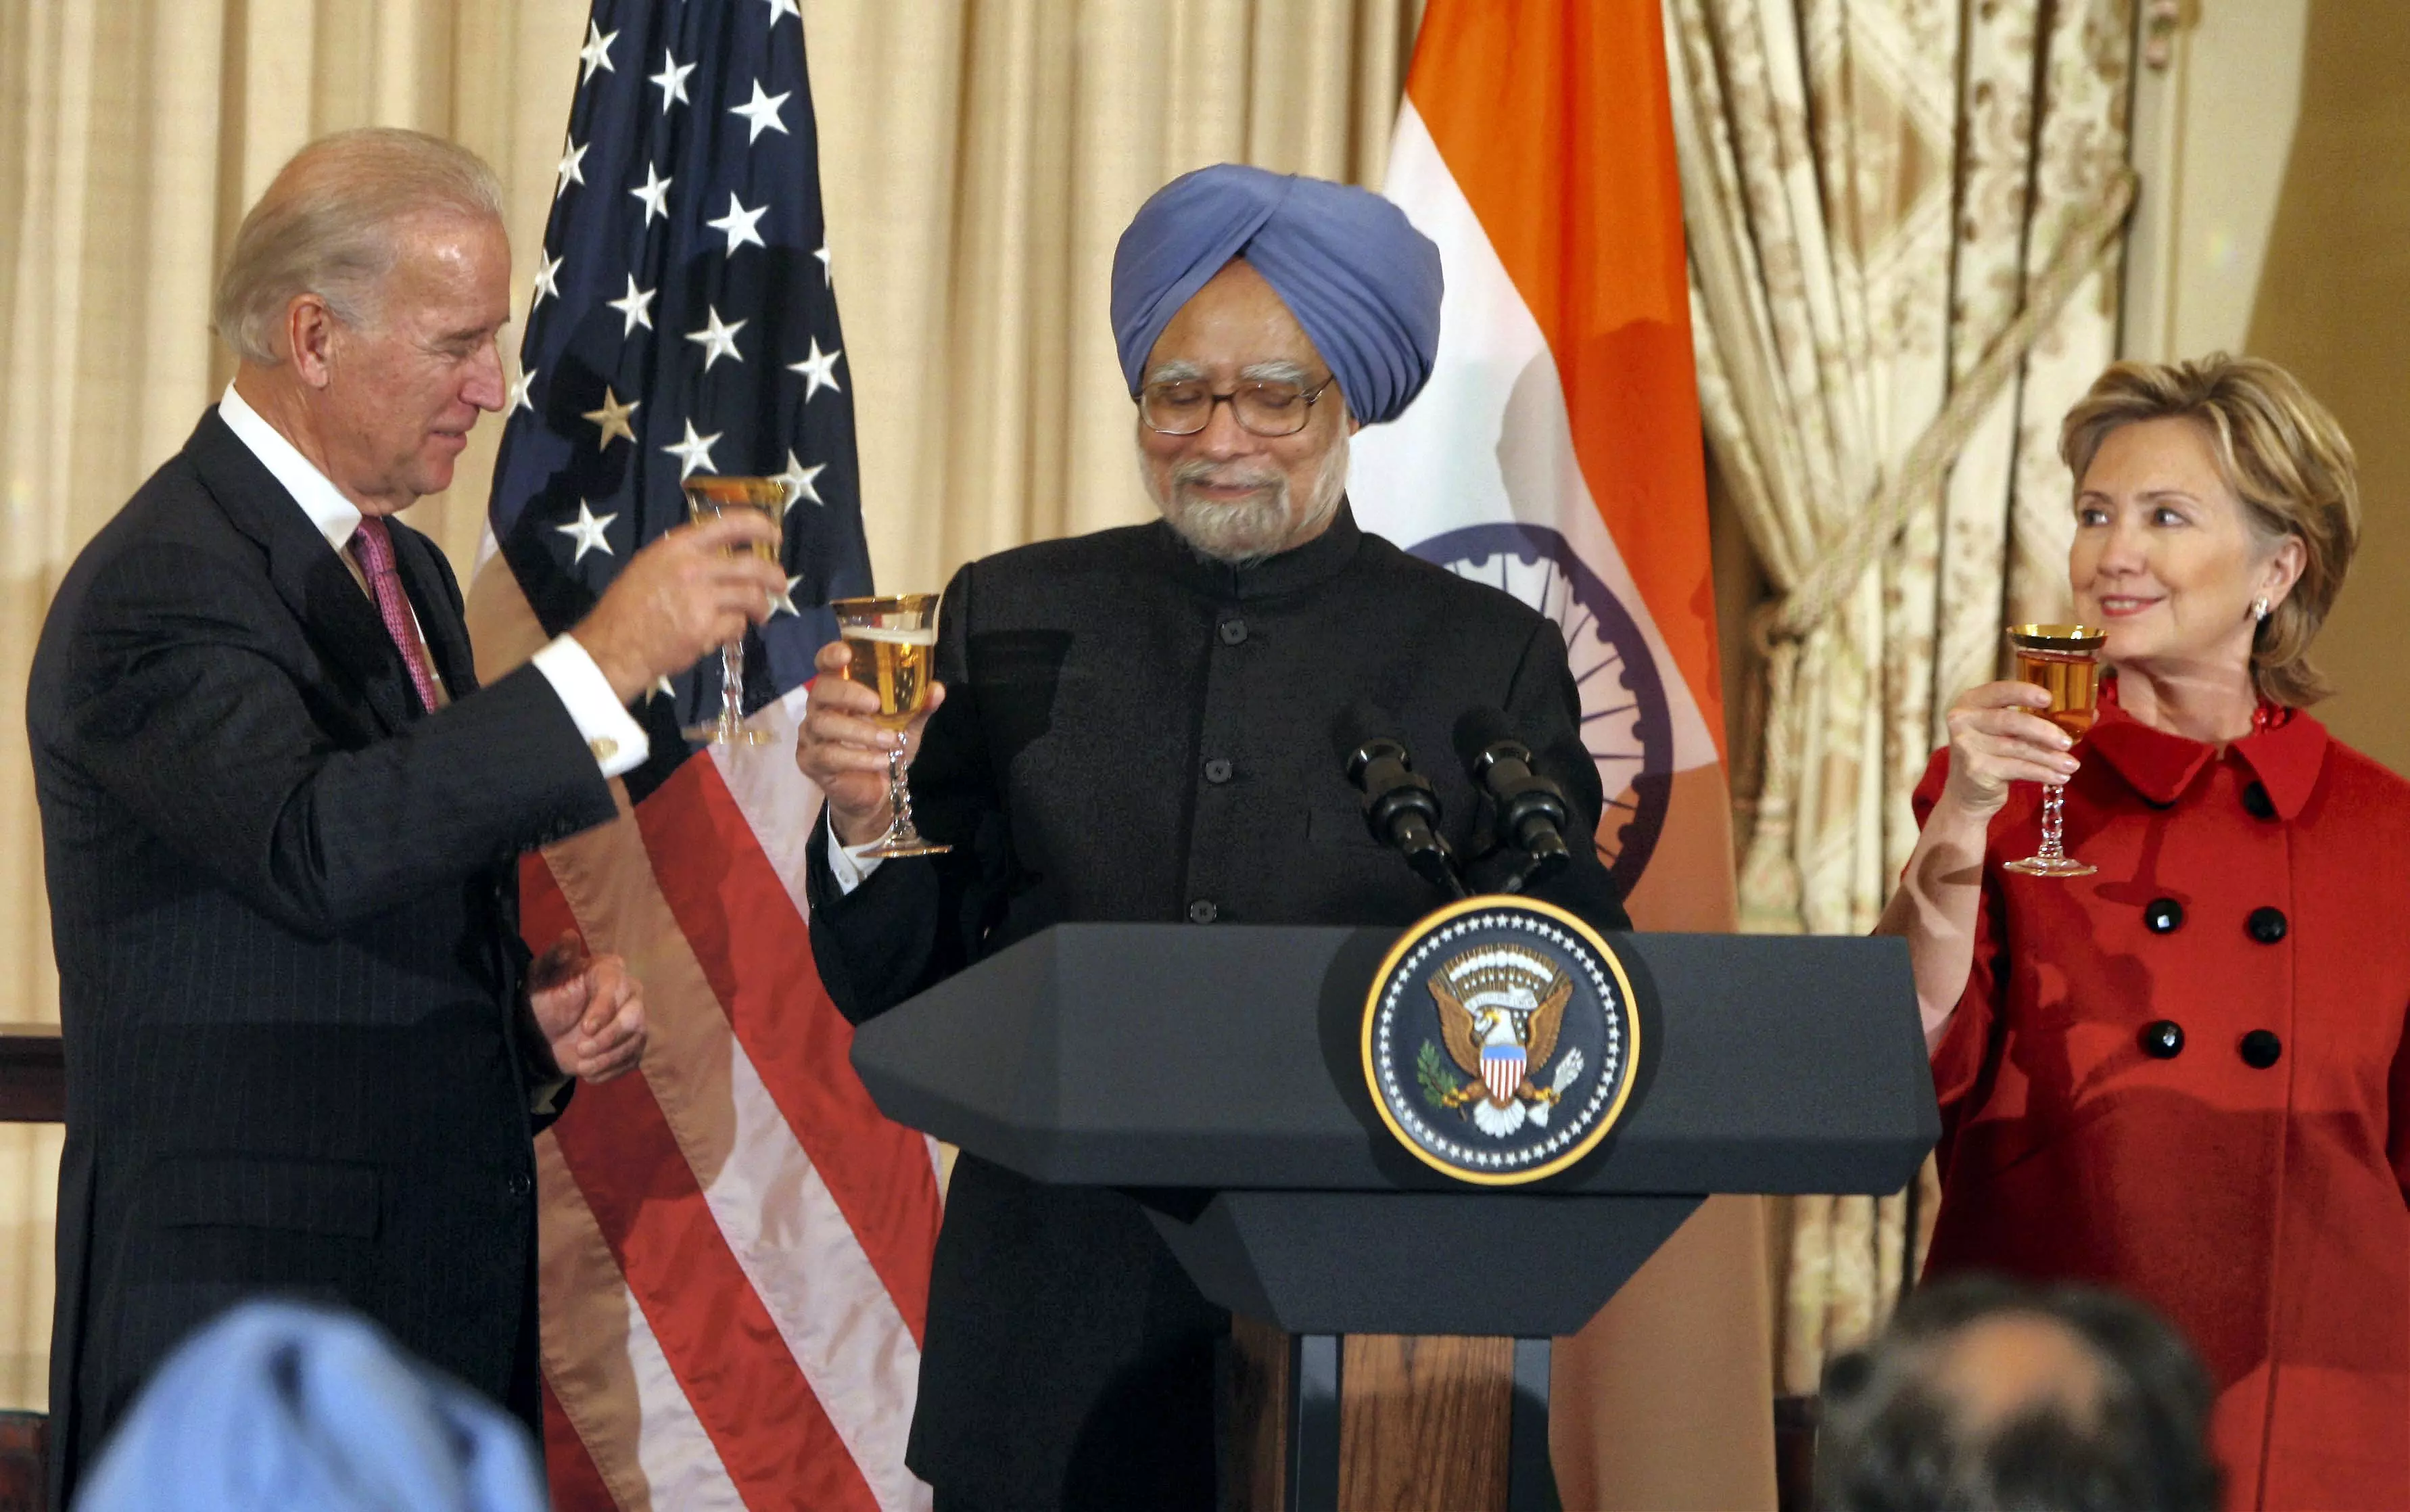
(708,497)
(893,642)
(2065,661)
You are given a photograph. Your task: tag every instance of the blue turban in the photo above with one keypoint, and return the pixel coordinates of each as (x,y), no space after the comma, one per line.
(1359,278)
(298,1409)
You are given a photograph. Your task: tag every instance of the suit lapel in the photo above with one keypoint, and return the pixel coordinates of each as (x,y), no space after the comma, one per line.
(308,575)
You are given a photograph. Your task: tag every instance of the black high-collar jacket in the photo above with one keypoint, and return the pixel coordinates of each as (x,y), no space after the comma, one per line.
(1133,733)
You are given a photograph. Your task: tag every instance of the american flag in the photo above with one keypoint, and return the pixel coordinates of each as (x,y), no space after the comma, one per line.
(735,1243)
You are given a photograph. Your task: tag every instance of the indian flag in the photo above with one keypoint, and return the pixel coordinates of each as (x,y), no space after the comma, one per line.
(1556,454)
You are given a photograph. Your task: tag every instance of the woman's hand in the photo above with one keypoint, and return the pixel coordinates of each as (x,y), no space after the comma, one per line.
(1996,738)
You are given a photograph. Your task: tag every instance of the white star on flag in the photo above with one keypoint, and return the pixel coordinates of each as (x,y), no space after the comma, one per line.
(739,223)
(587,532)
(613,419)
(595,55)
(760,113)
(798,481)
(519,386)
(819,370)
(784,7)
(547,274)
(693,452)
(716,338)
(671,80)
(662,689)
(637,305)
(786,602)
(654,193)
(825,271)
(569,170)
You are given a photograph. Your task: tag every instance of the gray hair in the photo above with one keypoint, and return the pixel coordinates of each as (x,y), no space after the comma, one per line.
(326,227)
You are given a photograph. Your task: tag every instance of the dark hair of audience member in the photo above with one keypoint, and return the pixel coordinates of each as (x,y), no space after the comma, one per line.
(1988,1396)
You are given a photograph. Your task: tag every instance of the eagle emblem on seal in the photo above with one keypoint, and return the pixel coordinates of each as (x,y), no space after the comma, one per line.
(1501,1008)
(1499,1037)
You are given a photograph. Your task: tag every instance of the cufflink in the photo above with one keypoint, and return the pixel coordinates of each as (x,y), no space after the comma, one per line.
(604,748)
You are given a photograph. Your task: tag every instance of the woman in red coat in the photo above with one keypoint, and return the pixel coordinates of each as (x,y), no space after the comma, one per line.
(2185,1076)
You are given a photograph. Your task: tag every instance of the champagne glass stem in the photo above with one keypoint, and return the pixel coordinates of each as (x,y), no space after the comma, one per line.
(732,690)
(899,799)
(2053,817)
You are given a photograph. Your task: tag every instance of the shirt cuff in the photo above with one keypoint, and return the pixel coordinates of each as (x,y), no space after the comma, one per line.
(848,864)
(616,740)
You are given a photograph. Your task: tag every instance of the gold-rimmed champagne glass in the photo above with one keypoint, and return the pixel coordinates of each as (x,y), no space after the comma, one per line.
(893,642)
(707,498)
(2064,660)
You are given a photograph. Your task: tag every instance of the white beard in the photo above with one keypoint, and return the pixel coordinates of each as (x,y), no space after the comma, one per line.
(1247,531)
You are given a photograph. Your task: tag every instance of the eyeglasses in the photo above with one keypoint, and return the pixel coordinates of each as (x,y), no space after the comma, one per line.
(1263,407)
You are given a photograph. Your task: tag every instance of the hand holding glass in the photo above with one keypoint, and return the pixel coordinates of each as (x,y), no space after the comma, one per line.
(2064,660)
(893,645)
(707,498)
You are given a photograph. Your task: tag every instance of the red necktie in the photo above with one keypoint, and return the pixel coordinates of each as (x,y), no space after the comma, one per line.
(375,548)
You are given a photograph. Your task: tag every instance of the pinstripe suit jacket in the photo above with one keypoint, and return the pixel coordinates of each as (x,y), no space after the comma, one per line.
(284,905)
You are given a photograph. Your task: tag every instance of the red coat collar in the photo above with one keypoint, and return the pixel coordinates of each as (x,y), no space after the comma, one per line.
(2285,759)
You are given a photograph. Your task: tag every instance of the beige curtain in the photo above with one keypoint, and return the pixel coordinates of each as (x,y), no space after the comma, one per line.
(1903,217)
(978,156)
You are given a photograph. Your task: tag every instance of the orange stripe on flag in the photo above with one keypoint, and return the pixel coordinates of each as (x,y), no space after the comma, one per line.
(754,947)
(1554,118)
(773,1438)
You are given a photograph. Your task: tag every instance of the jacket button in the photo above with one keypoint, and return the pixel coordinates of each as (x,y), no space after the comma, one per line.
(2256,800)
(1233,631)
(2162,916)
(2162,1040)
(1217,771)
(521,1184)
(2267,925)
(1203,912)
(2260,1047)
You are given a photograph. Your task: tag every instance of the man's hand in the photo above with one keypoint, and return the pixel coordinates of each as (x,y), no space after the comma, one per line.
(843,750)
(688,594)
(590,1009)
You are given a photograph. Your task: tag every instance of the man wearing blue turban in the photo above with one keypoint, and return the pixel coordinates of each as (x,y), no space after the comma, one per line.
(1140,727)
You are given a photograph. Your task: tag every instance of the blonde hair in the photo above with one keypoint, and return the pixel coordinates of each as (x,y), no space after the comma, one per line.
(2284,456)
(326,227)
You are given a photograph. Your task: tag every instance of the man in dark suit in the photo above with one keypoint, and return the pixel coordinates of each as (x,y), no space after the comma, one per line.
(1138,724)
(304,1045)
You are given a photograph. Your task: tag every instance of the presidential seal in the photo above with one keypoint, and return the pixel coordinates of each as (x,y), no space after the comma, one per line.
(1500,1038)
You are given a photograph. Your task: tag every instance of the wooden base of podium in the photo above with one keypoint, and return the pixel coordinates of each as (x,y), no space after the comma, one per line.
(1316,1422)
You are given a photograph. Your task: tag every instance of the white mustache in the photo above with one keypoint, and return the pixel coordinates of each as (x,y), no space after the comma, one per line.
(1210,472)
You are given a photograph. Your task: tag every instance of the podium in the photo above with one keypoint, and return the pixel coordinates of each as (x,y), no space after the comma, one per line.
(1215,1074)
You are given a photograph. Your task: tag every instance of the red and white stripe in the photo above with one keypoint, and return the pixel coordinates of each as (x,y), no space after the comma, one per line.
(734,1242)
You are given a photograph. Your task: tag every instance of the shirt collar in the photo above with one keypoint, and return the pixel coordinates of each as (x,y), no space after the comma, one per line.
(335,516)
(1299,568)
(2159,766)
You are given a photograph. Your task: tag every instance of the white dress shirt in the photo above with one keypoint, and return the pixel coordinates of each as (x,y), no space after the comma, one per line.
(617,741)
(848,864)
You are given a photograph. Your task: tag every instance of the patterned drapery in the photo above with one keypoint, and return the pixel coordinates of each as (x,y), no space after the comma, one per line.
(1903,219)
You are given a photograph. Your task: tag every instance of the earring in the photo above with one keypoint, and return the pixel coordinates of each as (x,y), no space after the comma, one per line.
(2259,608)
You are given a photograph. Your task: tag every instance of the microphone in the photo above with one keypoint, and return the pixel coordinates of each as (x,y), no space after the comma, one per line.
(1532,812)
(1400,807)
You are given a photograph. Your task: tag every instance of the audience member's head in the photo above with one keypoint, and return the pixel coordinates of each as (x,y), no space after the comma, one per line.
(297,1409)
(1987,1396)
